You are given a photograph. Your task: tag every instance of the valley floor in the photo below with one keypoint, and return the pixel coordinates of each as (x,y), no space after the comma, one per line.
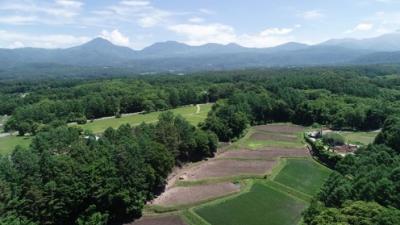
(267,177)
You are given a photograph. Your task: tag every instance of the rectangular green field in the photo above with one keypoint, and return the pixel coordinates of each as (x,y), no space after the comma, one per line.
(303,175)
(262,205)
(190,113)
(7,144)
(360,137)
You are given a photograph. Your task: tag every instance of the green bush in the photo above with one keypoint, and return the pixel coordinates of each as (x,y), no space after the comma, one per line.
(333,139)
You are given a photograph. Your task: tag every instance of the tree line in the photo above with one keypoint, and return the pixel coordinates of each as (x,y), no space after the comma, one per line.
(365,187)
(68,176)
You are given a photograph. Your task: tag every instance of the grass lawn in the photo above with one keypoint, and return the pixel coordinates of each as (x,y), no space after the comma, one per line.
(7,144)
(189,112)
(359,137)
(303,175)
(262,205)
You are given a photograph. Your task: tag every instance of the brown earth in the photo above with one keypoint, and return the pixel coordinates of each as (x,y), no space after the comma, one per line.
(228,168)
(280,128)
(164,220)
(193,194)
(265,154)
(260,136)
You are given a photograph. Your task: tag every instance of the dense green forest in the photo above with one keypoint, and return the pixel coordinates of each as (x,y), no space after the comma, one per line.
(69,176)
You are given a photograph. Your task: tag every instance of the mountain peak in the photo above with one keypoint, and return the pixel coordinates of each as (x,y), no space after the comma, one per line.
(98,42)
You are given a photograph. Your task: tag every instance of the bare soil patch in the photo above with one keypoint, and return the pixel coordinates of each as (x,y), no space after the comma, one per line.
(164,220)
(188,195)
(260,136)
(280,128)
(265,154)
(228,168)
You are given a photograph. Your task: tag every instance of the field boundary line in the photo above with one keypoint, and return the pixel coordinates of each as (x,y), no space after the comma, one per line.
(268,184)
(248,185)
(192,218)
(282,162)
(300,195)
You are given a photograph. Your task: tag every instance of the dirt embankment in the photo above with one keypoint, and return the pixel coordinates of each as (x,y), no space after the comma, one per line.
(193,194)
(163,220)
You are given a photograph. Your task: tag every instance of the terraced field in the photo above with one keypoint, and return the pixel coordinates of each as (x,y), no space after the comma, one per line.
(272,170)
(303,175)
(261,205)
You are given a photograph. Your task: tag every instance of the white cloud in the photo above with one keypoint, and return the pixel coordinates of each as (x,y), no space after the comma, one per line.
(18,20)
(198,34)
(70,3)
(196,20)
(312,14)
(141,12)
(115,37)
(16,44)
(9,39)
(363,27)
(135,3)
(30,12)
(207,11)
(276,31)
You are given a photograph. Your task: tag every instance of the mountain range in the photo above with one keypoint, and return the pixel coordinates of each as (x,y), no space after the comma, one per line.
(175,56)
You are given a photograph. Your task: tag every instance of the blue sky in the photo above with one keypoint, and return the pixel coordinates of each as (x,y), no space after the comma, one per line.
(139,23)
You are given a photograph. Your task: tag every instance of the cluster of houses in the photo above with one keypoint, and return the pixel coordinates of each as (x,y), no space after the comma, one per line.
(341,149)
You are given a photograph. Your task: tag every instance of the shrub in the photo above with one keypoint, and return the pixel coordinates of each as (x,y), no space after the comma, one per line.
(333,139)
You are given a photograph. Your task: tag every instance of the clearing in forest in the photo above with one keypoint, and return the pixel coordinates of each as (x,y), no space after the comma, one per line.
(8,143)
(191,113)
(359,137)
(277,180)
(194,114)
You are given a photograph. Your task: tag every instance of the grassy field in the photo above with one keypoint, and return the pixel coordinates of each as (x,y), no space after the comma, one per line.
(7,144)
(189,112)
(261,205)
(303,175)
(364,138)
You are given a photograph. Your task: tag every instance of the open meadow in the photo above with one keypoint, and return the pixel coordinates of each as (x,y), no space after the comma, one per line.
(8,143)
(359,137)
(194,114)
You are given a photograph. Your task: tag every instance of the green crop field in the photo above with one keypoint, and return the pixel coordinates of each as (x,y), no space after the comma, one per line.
(251,143)
(303,175)
(359,137)
(7,144)
(261,205)
(188,112)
